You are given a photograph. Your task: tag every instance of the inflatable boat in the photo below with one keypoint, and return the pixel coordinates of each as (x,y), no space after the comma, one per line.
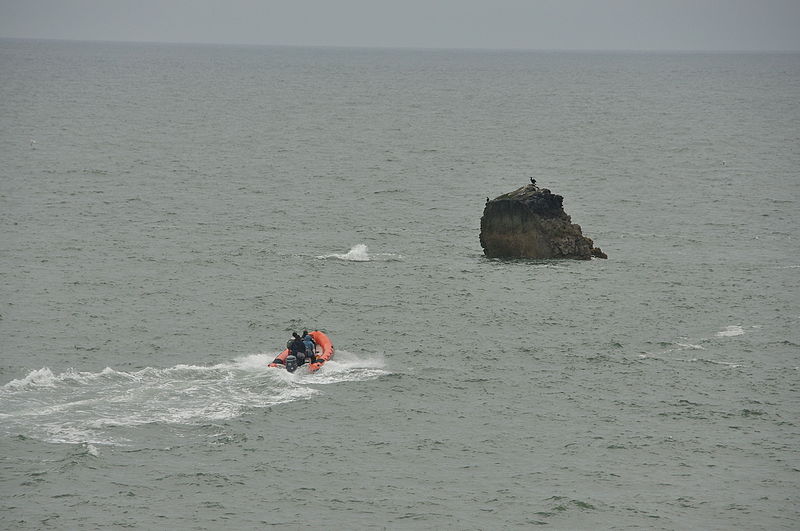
(323,352)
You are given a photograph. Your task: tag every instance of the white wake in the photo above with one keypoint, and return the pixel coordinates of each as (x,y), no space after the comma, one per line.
(91,407)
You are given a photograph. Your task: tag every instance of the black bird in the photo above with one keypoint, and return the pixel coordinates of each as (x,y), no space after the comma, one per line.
(533,181)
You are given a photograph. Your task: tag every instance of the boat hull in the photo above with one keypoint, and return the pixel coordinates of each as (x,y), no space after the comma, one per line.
(324,352)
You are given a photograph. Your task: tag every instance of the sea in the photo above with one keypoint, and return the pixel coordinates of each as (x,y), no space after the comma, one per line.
(171,213)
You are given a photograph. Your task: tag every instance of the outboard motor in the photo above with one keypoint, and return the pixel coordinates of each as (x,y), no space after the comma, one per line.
(291,363)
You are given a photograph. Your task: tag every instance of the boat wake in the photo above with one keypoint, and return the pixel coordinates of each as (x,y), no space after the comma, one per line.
(103,407)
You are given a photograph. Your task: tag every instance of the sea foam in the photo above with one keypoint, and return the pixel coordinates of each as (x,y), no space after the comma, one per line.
(91,408)
(357,253)
(360,253)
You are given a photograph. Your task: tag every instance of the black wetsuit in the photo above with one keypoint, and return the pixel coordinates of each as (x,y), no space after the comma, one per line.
(298,349)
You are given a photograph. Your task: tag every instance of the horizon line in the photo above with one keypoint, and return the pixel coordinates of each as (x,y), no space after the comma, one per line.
(410,47)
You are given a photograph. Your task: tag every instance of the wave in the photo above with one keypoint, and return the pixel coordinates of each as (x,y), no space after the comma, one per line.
(684,344)
(732,365)
(359,253)
(730,331)
(729,364)
(105,407)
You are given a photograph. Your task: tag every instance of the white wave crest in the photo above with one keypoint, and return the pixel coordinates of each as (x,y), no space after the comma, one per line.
(360,253)
(730,331)
(92,450)
(42,377)
(732,365)
(357,253)
(689,346)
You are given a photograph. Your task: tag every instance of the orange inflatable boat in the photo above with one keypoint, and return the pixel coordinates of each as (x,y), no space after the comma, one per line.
(323,352)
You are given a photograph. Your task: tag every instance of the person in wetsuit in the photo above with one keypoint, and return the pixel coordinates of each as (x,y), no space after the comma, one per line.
(297,348)
(311,347)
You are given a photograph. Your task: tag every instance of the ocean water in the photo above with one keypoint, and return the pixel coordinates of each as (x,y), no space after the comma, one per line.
(170,213)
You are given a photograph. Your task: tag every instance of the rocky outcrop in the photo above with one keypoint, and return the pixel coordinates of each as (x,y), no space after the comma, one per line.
(531,223)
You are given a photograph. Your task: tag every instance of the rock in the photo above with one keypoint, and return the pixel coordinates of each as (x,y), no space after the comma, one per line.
(531,223)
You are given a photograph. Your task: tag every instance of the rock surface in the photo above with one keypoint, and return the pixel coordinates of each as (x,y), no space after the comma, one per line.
(531,223)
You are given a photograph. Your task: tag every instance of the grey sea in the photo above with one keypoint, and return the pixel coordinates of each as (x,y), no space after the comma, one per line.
(169,214)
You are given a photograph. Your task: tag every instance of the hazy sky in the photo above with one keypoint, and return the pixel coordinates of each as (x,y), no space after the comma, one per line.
(526,24)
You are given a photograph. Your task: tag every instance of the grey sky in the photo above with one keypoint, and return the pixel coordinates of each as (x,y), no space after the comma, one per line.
(515,24)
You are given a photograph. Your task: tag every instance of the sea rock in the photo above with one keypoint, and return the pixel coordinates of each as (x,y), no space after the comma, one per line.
(530,222)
